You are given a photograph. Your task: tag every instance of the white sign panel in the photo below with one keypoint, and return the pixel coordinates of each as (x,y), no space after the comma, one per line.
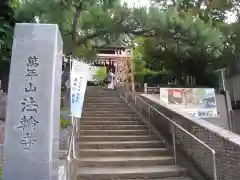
(199,102)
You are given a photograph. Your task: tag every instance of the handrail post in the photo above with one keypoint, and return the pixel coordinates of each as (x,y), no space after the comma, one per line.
(77,122)
(149,121)
(214,165)
(67,170)
(174,143)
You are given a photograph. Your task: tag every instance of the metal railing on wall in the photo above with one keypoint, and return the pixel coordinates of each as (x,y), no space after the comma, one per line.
(132,99)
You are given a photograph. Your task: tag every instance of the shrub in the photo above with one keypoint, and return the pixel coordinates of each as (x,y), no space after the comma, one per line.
(65,123)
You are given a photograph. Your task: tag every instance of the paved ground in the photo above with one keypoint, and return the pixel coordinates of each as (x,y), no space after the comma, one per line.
(62,170)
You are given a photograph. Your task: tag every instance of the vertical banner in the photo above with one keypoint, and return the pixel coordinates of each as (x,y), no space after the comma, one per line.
(78,88)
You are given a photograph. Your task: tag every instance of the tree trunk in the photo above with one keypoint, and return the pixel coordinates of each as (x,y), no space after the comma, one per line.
(74,29)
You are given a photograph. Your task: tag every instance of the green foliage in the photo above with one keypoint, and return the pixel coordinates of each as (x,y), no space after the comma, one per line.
(65,123)
(138,61)
(100,76)
(182,43)
(211,79)
(157,77)
(79,20)
(7,22)
(180,38)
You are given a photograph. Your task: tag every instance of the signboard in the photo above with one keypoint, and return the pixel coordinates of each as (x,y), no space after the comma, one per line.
(78,88)
(199,102)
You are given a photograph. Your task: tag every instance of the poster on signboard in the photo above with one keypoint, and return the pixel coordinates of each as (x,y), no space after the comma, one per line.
(164,94)
(78,88)
(200,102)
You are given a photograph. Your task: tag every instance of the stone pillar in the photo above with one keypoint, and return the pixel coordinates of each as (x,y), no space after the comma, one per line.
(33,105)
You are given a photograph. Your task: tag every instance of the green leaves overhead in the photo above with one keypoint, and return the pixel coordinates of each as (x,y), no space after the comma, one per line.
(105,19)
(178,35)
(6,29)
(184,32)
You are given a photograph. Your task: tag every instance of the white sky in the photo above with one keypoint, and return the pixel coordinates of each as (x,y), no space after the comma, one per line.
(137,2)
(231,16)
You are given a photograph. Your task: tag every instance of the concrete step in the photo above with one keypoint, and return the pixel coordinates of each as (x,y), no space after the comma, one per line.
(113,115)
(113,127)
(114,132)
(105,106)
(113,122)
(103,100)
(101,173)
(107,111)
(101,95)
(110,114)
(104,103)
(97,106)
(121,144)
(107,118)
(130,152)
(125,161)
(115,138)
(92,105)
(113,108)
(96,102)
(171,178)
(95,91)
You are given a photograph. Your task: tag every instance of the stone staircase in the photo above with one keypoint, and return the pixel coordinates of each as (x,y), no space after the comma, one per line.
(113,143)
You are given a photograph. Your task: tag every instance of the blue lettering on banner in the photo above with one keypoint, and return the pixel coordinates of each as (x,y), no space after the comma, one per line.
(78,88)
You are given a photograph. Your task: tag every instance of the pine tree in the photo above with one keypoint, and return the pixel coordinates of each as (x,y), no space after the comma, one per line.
(7,23)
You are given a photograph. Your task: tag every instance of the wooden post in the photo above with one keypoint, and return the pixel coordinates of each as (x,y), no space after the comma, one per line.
(126,72)
(132,74)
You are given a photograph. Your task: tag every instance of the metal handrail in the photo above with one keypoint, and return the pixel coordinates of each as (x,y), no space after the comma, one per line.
(71,155)
(150,107)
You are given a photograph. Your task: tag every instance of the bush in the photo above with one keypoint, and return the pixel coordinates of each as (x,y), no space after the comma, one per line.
(154,78)
(65,123)
(100,76)
(210,79)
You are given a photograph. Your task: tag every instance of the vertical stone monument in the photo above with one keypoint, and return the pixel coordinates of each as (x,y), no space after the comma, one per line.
(33,105)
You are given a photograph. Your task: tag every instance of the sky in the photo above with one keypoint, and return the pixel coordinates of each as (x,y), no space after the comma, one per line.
(137,2)
(231,16)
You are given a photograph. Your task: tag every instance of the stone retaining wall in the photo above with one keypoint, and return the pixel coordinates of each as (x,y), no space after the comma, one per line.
(225,143)
(236,117)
